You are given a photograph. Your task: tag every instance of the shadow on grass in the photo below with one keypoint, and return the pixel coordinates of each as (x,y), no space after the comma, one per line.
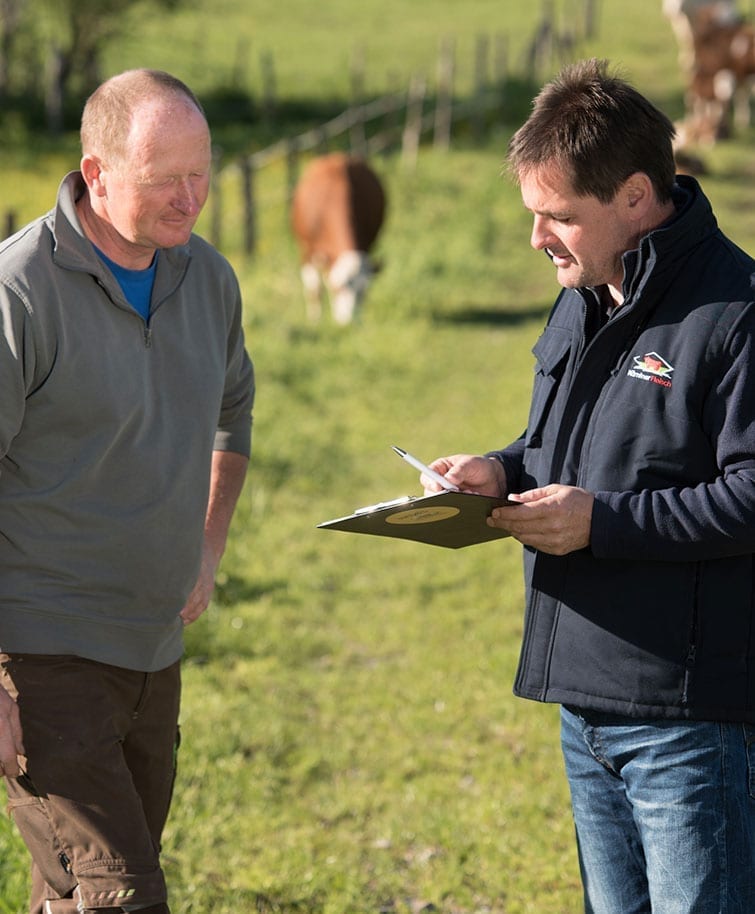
(266,904)
(497,317)
(213,636)
(738,175)
(231,589)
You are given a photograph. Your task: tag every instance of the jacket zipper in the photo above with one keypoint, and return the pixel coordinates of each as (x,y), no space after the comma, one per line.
(689,662)
(146,331)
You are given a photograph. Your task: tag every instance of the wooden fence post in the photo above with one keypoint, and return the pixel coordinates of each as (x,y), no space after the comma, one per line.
(591,16)
(238,73)
(444,102)
(269,88)
(292,172)
(501,60)
(357,134)
(482,46)
(321,144)
(216,199)
(10,223)
(482,51)
(540,50)
(250,212)
(395,117)
(413,127)
(487,95)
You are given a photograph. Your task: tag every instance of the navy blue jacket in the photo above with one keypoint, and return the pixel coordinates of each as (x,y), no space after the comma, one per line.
(654,413)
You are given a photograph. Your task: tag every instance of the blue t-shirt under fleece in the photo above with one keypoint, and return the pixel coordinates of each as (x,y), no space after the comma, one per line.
(135,284)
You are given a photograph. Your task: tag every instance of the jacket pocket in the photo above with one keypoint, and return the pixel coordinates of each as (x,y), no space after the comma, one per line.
(551,352)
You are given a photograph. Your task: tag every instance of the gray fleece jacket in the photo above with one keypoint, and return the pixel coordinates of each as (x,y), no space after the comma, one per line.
(107,428)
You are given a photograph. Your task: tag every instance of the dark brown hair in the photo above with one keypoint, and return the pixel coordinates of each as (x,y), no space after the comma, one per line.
(599,130)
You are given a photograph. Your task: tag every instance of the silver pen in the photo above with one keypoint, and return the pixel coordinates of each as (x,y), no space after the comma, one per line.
(423,468)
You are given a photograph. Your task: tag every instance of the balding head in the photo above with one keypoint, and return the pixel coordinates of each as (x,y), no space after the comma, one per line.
(146,163)
(108,114)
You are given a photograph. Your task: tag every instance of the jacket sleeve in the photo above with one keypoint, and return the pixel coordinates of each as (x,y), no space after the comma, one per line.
(715,518)
(235,422)
(16,365)
(511,459)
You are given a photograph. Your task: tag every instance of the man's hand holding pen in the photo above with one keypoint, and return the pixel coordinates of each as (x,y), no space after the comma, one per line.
(556,519)
(482,475)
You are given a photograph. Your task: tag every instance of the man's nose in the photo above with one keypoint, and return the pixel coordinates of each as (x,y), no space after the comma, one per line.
(186,198)
(541,236)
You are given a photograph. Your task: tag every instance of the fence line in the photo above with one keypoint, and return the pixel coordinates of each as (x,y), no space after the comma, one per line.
(547,46)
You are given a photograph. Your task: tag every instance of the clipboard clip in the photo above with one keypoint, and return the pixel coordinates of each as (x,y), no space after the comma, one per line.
(405,499)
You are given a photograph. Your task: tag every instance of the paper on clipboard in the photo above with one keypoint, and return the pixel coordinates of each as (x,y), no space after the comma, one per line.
(448,518)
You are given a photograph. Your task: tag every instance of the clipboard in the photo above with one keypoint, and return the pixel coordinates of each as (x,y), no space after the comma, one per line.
(449,518)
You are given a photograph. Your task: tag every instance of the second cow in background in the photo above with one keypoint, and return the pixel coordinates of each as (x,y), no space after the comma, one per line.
(337,212)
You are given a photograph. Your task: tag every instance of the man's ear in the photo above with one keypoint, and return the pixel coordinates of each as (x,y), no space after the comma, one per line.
(638,195)
(92,172)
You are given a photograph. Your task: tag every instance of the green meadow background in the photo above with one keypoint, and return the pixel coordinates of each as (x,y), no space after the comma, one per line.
(350,740)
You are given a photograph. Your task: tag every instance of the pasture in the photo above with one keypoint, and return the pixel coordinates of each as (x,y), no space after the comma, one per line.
(350,741)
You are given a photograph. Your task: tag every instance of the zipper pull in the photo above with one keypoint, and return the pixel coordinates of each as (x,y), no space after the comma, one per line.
(147,337)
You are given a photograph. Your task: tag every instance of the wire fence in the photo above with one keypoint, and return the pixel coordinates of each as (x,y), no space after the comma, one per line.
(401,120)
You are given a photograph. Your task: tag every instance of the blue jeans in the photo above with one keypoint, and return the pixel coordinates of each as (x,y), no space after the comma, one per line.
(664,813)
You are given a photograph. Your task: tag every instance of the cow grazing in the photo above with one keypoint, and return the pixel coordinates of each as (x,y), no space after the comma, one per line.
(337,212)
(683,16)
(724,69)
(717,56)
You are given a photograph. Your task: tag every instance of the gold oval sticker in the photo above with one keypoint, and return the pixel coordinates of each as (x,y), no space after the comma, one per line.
(428,515)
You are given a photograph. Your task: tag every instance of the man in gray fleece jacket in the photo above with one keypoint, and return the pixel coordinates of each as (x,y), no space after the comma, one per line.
(125,428)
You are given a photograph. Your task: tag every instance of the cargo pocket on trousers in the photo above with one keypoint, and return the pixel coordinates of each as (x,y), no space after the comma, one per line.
(33,823)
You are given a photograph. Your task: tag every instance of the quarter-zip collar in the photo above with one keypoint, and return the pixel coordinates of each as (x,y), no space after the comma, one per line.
(74,251)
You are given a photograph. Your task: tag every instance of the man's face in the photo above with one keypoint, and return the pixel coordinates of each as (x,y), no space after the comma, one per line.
(584,237)
(154,193)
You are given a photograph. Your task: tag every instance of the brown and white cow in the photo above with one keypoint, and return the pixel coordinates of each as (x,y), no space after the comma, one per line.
(684,17)
(337,212)
(717,55)
(724,68)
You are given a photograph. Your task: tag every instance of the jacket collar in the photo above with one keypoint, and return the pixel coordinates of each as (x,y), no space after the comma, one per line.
(73,250)
(659,250)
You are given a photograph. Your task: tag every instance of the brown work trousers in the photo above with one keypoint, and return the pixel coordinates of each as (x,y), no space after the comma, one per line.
(99,768)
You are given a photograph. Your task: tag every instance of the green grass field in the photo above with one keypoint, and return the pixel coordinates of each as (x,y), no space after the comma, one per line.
(351,744)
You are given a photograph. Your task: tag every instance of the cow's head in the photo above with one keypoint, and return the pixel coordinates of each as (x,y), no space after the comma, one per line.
(348,280)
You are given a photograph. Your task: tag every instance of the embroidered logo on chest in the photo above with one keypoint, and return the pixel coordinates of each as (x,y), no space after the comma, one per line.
(651,367)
